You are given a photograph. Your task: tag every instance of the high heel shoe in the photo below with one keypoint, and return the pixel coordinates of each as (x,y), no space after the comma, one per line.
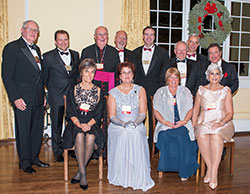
(206,180)
(84,187)
(213,185)
(74,181)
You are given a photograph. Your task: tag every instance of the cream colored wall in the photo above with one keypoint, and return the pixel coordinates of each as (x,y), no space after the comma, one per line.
(78,17)
(112,17)
(242,104)
(16,15)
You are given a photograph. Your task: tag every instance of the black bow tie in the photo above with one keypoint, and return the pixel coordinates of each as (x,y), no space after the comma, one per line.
(33,46)
(64,53)
(180,61)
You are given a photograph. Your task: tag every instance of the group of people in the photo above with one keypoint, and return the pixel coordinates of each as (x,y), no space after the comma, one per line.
(76,88)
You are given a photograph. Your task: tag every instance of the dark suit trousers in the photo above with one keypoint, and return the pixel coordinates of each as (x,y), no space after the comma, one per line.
(150,114)
(29,132)
(56,115)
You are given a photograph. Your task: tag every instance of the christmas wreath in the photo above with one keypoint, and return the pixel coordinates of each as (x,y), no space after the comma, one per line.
(222,22)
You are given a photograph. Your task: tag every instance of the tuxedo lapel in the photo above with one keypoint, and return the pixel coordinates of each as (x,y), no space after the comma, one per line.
(173,63)
(125,55)
(140,62)
(24,48)
(60,61)
(153,60)
(223,66)
(189,69)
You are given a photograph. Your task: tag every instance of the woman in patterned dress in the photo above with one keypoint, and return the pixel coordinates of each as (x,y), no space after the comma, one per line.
(84,113)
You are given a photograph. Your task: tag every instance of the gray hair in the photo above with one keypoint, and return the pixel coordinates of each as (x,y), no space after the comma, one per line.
(101,27)
(179,43)
(86,64)
(28,21)
(212,67)
(193,35)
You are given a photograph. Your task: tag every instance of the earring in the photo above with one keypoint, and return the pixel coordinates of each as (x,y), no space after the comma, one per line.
(120,81)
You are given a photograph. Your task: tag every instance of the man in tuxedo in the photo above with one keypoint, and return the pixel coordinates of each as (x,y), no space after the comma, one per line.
(60,72)
(23,80)
(189,69)
(106,58)
(151,62)
(230,77)
(120,45)
(193,43)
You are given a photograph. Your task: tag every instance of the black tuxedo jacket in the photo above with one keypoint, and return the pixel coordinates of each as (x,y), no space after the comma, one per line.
(21,75)
(203,60)
(154,78)
(129,56)
(193,74)
(56,77)
(230,76)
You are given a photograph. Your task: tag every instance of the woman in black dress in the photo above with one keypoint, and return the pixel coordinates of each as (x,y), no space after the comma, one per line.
(84,113)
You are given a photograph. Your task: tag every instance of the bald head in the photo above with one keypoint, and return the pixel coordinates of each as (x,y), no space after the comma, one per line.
(101,36)
(120,39)
(180,50)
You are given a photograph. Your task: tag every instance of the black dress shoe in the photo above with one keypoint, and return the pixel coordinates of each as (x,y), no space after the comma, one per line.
(41,164)
(74,181)
(29,170)
(84,187)
(59,158)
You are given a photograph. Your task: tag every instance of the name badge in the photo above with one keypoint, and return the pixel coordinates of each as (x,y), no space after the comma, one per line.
(211,106)
(126,109)
(68,67)
(146,62)
(84,107)
(172,101)
(99,66)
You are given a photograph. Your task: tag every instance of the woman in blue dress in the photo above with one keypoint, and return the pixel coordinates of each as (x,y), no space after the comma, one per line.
(174,135)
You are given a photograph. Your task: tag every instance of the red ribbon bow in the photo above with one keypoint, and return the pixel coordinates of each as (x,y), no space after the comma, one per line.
(225,74)
(147,49)
(211,9)
(191,55)
(121,51)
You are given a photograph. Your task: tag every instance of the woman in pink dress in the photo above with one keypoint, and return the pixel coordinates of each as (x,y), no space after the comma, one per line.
(212,120)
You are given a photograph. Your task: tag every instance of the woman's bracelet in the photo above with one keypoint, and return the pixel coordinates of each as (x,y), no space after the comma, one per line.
(223,122)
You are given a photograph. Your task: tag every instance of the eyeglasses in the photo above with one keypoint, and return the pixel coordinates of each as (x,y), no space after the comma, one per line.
(102,34)
(32,30)
(126,73)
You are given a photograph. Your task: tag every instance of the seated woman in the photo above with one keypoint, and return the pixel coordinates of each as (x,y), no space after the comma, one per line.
(84,110)
(128,154)
(212,120)
(174,132)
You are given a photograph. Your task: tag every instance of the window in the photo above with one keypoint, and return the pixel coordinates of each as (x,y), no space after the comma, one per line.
(240,37)
(166,17)
(170,20)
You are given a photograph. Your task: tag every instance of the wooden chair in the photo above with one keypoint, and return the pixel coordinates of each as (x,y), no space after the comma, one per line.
(66,160)
(160,173)
(231,145)
(66,165)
